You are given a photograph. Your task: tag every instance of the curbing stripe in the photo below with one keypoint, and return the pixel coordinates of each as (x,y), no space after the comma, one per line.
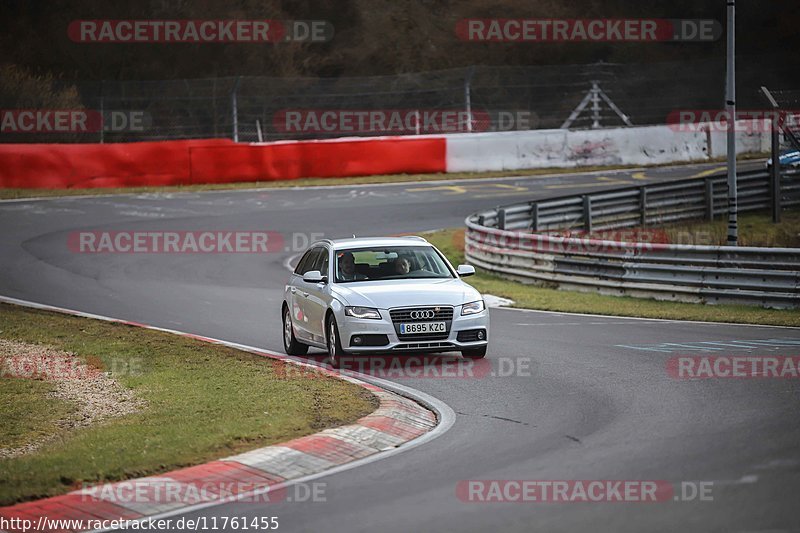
(367,436)
(282,461)
(334,450)
(398,420)
(392,426)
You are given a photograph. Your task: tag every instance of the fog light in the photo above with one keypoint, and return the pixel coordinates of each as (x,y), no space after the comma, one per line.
(356,340)
(481,335)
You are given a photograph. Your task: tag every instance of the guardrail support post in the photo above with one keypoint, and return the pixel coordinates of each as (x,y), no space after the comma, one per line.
(643,206)
(501,218)
(587,213)
(709,199)
(534,217)
(775,174)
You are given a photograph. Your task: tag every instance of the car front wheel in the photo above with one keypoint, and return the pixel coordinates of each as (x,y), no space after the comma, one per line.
(290,342)
(475,353)
(334,343)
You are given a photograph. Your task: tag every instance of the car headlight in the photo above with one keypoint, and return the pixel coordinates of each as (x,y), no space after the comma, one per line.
(362,312)
(472,308)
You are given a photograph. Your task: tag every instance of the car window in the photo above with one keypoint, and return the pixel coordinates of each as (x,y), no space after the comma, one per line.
(307,262)
(320,262)
(323,267)
(389,263)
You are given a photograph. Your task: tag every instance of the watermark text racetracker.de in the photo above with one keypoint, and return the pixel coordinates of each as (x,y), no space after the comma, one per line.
(167,491)
(61,368)
(401,121)
(745,120)
(72,121)
(418,366)
(547,30)
(734,367)
(581,491)
(585,242)
(199,31)
(187,242)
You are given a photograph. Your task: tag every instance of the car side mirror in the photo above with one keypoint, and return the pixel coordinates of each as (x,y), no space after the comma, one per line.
(314,276)
(465,270)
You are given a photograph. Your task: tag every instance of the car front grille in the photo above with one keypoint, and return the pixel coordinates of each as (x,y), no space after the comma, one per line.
(424,346)
(405,315)
(436,313)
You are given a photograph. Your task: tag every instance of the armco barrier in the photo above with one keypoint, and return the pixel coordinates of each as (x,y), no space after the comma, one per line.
(504,241)
(212,161)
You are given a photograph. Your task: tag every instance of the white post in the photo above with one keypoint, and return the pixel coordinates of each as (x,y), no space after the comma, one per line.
(468,97)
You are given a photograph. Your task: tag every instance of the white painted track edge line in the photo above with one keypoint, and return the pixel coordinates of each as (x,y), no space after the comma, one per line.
(333,186)
(569,313)
(511,175)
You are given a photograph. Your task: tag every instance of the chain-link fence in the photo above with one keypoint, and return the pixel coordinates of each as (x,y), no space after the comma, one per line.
(788,102)
(460,100)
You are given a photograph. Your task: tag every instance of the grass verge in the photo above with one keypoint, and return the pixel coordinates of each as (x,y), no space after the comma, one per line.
(30,411)
(203,402)
(451,243)
(755,229)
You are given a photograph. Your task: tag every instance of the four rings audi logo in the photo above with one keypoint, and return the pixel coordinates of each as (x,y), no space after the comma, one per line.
(418,315)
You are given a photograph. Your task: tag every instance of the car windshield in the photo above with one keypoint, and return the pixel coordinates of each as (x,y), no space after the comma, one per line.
(389,263)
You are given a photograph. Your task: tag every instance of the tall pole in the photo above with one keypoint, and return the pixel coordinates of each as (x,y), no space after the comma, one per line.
(235,109)
(102,114)
(468,97)
(775,169)
(730,104)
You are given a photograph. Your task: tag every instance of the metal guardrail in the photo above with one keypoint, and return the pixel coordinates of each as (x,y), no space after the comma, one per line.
(513,241)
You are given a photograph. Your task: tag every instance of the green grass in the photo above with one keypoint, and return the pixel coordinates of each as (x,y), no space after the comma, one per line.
(451,243)
(755,229)
(203,402)
(29,413)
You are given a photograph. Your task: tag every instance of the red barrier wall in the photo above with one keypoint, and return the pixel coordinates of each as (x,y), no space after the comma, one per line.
(63,166)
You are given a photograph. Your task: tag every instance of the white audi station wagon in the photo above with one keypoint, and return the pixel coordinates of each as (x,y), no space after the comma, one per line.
(382,295)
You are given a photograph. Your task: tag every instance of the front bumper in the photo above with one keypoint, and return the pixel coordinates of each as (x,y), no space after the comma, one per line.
(350,327)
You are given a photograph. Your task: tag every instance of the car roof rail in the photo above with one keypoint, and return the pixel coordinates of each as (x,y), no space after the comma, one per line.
(416,237)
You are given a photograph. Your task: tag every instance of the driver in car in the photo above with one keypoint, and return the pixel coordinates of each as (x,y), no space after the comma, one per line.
(402,265)
(347,268)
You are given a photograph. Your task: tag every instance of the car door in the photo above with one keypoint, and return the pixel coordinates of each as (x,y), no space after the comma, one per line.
(316,298)
(297,291)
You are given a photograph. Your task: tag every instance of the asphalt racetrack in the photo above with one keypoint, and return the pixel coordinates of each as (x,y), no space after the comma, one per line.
(587,398)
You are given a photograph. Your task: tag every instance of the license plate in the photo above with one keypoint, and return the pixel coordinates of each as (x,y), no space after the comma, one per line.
(423,327)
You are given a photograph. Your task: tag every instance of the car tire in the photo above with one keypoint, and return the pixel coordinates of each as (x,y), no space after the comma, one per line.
(290,343)
(475,353)
(335,352)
